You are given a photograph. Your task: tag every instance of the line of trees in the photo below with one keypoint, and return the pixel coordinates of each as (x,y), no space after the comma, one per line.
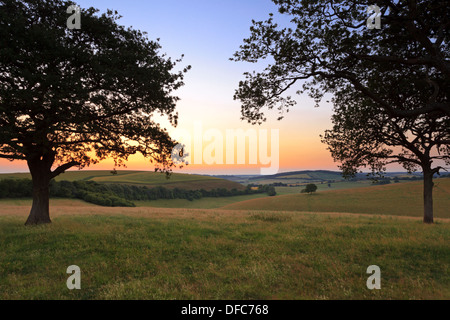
(118,195)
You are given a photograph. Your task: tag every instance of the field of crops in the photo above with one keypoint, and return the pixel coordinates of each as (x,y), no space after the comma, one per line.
(141,178)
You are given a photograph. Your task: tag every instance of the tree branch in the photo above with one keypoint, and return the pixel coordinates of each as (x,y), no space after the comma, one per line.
(12,157)
(63,168)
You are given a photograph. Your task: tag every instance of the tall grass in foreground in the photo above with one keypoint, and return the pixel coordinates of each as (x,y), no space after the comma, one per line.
(237,255)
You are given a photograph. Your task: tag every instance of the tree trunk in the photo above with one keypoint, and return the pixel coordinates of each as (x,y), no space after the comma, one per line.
(428,196)
(40,210)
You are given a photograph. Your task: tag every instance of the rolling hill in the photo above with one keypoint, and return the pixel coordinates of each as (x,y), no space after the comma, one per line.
(141,178)
(310,176)
(402,199)
(294,177)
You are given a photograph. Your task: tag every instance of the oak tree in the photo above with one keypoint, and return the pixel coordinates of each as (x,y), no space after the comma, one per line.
(390,85)
(73,97)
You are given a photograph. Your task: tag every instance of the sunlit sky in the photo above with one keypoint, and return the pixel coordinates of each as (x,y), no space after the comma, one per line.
(208,32)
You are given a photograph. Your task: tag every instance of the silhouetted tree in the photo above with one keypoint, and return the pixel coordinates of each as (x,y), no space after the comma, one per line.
(271,192)
(364,135)
(310,188)
(390,86)
(70,98)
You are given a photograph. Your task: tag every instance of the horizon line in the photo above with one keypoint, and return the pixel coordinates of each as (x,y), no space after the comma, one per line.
(222,174)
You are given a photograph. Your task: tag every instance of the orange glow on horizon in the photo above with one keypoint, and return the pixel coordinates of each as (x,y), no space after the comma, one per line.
(296,153)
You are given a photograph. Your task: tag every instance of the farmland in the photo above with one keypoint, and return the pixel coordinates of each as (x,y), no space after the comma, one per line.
(141,178)
(291,246)
(404,199)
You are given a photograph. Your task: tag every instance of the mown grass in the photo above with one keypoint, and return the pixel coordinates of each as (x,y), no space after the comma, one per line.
(144,253)
(203,203)
(402,199)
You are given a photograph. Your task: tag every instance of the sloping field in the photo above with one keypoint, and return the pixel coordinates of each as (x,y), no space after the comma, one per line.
(402,199)
(203,203)
(298,177)
(318,175)
(142,178)
(149,253)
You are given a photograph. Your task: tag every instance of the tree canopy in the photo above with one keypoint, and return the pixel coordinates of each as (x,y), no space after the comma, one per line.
(328,46)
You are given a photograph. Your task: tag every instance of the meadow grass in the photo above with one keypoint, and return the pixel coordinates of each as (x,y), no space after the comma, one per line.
(148,253)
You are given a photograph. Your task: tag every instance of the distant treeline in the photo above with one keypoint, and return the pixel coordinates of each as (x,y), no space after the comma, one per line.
(118,195)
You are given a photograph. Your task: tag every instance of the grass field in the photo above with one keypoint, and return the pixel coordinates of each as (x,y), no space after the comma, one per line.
(203,203)
(324,187)
(148,253)
(215,203)
(403,199)
(298,177)
(292,246)
(141,178)
(53,203)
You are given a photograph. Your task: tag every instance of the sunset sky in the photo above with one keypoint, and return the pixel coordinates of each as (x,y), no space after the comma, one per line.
(208,32)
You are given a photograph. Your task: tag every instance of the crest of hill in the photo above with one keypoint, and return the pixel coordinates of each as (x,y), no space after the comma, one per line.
(307,175)
(142,178)
(310,176)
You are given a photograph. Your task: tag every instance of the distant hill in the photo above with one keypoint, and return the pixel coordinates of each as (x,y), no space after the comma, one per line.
(286,177)
(307,176)
(142,178)
(403,199)
(317,175)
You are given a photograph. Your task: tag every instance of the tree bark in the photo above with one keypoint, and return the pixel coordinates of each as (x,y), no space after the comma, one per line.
(40,210)
(428,196)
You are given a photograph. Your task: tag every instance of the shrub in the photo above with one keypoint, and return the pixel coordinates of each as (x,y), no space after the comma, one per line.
(310,188)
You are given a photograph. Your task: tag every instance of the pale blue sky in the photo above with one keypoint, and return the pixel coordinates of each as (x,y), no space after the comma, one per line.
(208,32)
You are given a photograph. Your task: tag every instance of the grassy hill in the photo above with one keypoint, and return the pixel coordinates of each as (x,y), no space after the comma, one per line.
(142,178)
(314,176)
(403,199)
(295,177)
(257,253)
(400,199)
(309,175)
(148,253)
